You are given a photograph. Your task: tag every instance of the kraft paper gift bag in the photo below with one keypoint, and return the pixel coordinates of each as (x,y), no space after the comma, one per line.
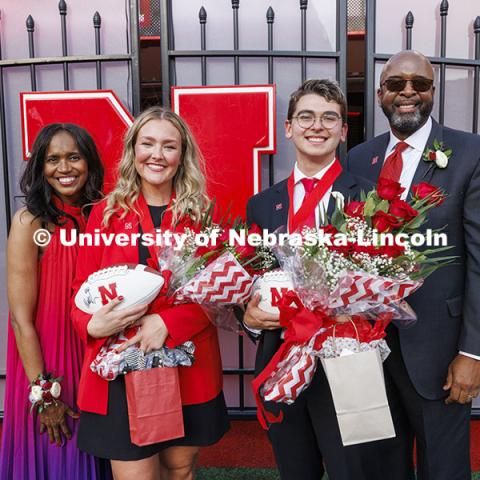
(358,390)
(154,405)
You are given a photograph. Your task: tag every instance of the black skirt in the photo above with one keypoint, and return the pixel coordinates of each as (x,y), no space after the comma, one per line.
(108,436)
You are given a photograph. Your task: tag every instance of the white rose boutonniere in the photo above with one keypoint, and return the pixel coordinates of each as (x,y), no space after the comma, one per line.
(439,156)
(339,200)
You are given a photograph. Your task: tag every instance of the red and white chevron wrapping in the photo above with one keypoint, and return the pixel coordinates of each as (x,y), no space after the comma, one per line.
(107,362)
(292,375)
(360,287)
(222,282)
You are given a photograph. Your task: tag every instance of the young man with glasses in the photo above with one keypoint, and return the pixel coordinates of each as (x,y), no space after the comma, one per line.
(316,125)
(433,372)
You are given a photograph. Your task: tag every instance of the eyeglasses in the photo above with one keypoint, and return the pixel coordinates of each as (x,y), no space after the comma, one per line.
(328,120)
(419,84)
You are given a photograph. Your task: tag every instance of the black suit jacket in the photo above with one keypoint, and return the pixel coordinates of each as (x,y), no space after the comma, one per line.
(448,304)
(269,209)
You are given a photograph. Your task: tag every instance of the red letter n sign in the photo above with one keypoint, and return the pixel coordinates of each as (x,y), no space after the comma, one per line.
(233,126)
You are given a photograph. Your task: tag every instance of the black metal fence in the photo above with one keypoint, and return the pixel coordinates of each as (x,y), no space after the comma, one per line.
(96,60)
(443,62)
(169,55)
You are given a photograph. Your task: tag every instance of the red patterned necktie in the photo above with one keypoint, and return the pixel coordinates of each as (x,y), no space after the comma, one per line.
(309,184)
(392,168)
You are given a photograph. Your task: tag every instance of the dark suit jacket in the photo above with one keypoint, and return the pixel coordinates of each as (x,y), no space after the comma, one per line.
(448,304)
(269,209)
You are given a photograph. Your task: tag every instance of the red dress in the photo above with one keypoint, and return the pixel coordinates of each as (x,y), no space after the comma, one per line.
(25,454)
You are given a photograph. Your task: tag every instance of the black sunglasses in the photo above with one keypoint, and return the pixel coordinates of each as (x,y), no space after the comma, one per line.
(419,84)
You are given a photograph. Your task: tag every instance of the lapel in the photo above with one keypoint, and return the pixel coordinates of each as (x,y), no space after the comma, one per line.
(376,157)
(129,225)
(280,205)
(425,170)
(344,184)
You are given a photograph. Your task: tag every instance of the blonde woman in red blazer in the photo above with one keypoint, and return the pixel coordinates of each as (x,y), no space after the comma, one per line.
(160,177)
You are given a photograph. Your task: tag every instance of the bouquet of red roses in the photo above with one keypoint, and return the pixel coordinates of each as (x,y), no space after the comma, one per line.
(350,269)
(219,273)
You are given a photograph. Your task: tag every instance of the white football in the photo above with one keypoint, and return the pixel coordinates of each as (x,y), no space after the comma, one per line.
(272,285)
(136,283)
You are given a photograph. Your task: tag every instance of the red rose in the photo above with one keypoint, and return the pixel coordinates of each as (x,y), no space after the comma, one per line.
(384,222)
(47,385)
(393,250)
(354,209)
(388,189)
(344,250)
(402,209)
(423,190)
(47,397)
(432,156)
(368,249)
(329,229)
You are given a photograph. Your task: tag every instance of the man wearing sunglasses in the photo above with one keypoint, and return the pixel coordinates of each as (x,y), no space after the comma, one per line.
(433,372)
(316,125)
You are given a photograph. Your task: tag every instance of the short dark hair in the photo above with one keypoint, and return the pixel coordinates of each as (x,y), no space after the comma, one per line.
(38,192)
(328,89)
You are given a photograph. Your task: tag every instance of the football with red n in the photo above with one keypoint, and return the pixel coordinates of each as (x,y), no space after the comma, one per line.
(272,286)
(138,284)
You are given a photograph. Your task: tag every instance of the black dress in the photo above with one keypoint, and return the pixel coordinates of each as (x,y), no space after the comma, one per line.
(108,436)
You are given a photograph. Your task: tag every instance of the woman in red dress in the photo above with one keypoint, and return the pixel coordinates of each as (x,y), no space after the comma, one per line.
(160,184)
(63,175)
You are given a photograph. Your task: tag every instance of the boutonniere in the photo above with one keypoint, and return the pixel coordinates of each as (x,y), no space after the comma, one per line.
(339,200)
(440,155)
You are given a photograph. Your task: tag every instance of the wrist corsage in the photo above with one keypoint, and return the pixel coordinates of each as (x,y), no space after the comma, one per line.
(44,391)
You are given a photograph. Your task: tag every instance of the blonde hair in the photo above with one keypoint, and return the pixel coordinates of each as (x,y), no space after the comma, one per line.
(188,182)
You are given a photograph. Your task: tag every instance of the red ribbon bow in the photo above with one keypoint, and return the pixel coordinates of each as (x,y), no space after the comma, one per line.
(300,326)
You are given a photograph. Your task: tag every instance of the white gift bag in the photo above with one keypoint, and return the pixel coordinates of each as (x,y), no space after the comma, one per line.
(358,389)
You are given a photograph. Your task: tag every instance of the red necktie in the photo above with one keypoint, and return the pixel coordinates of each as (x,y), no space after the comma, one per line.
(309,184)
(392,168)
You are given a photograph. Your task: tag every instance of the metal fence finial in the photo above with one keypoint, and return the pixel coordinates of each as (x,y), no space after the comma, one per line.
(444,7)
(202,15)
(409,19)
(30,24)
(476,25)
(97,20)
(303,4)
(270,15)
(235,3)
(62,7)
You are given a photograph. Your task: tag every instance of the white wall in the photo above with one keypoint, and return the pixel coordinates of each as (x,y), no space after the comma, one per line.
(390,38)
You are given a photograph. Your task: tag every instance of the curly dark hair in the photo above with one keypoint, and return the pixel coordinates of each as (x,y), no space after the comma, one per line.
(38,192)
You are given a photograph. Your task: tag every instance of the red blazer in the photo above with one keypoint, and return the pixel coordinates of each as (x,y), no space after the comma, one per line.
(198,383)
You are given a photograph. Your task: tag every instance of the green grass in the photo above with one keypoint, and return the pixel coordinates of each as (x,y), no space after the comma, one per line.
(251,474)
(237,474)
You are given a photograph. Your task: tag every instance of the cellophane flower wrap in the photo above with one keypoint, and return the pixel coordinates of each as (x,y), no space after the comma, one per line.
(219,275)
(347,272)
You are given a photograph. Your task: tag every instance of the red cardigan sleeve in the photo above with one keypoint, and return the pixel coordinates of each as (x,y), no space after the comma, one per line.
(88,261)
(183,322)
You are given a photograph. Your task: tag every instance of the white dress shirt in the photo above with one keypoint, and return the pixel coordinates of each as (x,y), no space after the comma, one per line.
(299,193)
(298,196)
(412,156)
